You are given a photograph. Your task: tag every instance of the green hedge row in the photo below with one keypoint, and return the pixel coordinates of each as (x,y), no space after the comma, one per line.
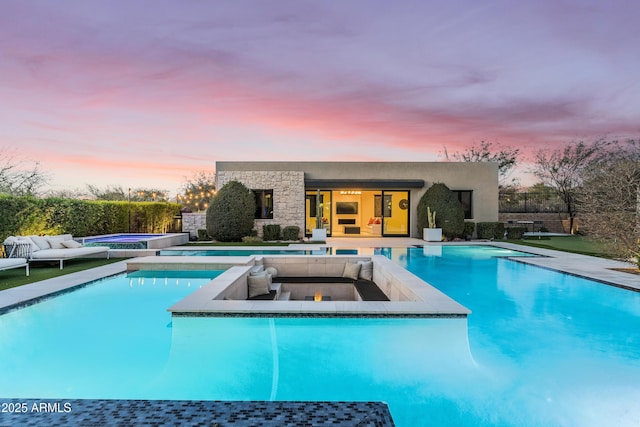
(490,230)
(23,216)
(271,232)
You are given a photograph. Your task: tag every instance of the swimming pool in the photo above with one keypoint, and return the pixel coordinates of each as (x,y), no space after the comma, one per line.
(541,348)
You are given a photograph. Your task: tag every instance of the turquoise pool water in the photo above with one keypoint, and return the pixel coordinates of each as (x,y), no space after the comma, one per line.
(541,348)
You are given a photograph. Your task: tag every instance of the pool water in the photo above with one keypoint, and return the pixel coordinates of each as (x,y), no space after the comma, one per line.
(541,348)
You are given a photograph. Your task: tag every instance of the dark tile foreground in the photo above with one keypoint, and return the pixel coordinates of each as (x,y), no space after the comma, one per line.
(81,412)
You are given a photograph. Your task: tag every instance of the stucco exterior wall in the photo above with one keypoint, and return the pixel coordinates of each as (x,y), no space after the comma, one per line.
(288,193)
(288,177)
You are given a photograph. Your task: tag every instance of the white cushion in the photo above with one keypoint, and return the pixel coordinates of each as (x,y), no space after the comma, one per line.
(366,270)
(41,242)
(259,284)
(25,239)
(272,271)
(55,242)
(351,270)
(9,240)
(70,244)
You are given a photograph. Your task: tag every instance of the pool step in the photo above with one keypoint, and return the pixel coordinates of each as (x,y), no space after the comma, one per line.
(285,296)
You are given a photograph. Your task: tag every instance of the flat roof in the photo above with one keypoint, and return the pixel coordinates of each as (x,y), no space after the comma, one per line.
(363,183)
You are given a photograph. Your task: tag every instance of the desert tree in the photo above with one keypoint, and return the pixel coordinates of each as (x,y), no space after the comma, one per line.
(506,157)
(19,177)
(609,201)
(563,169)
(118,193)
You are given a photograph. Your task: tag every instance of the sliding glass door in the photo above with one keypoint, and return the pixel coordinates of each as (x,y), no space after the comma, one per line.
(395,212)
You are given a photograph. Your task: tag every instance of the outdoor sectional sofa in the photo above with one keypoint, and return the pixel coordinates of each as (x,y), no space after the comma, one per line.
(50,248)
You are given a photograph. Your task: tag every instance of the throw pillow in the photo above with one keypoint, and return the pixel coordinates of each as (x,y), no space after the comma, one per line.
(366,270)
(55,242)
(272,271)
(40,241)
(71,244)
(259,284)
(351,270)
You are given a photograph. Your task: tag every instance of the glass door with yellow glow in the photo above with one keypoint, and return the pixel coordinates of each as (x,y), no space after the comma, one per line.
(395,212)
(315,207)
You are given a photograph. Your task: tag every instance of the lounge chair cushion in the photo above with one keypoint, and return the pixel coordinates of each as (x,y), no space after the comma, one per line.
(259,284)
(366,270)
(351,270)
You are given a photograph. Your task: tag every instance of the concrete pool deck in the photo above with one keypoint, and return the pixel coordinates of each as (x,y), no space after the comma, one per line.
(594,268)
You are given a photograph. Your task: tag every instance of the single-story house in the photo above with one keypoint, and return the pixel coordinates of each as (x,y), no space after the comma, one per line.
(375,199)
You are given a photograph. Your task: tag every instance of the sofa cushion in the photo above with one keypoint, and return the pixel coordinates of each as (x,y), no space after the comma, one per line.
(351,270)
(366,270)
(41,242)
(259,284)
(25,239)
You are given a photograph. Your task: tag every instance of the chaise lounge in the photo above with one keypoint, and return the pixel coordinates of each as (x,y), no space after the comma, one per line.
(51,248)
(9,263)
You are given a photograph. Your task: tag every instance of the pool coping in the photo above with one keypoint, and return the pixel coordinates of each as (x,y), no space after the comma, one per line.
(426,300)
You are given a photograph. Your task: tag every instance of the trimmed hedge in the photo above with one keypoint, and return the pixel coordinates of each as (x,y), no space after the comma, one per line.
(271,232)
(490,230)
(515,232)
(230,213)
(469,228)
(291,232)
(27,215)
(449,211)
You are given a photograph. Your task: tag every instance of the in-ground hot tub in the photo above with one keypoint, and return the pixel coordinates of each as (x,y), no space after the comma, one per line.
(136,240)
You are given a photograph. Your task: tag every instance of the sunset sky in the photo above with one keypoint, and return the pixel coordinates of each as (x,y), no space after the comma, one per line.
(146,93)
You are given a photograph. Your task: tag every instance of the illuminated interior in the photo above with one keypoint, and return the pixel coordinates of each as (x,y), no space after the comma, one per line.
(358,213)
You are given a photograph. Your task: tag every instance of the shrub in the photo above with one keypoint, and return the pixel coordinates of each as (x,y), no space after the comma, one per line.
(230,213)
(202,234)
(291,232)
(486,230)
(499,231)
(449,211)
(515,232)
(271,232)
(469,228)
(252,239)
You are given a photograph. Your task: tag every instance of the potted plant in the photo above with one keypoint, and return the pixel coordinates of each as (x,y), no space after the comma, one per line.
(431,233)
(319,233)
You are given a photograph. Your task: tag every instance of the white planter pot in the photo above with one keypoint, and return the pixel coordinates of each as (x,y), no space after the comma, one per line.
(432,234)
(319,234)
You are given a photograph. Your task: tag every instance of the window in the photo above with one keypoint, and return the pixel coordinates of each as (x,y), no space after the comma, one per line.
(264,204)
(464,197)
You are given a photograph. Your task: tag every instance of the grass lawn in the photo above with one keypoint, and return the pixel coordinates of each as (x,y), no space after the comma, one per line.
(42,270)
(575,244)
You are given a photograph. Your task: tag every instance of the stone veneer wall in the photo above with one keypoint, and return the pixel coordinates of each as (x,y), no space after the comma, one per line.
(288,194)
(192,222)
